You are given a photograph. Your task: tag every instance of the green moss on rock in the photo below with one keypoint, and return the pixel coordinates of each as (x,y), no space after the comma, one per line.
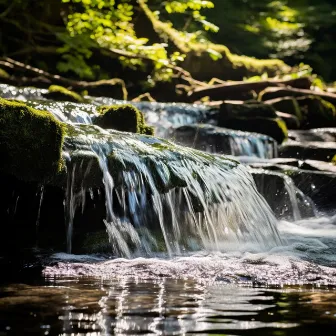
(61,93)
(30,142)
(126,118)
(292,122)
(200,62)
(333,160)
(317,112)
(3,74)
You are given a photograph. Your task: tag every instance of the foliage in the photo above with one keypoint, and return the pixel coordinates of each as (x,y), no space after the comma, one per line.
(293,30)
(3,74)
(108,25)
(156,37)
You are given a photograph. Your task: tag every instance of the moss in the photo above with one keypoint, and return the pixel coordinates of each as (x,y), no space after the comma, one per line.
(30,142)
(275,128)
(287,105)
(317,112)
(148,130)
(202,65)
(230,66)
(96,242)
(126,118)
(333,160)
(3,74)
(292,122)
(61,93)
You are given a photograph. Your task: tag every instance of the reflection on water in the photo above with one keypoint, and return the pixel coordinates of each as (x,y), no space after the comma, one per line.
(90,306)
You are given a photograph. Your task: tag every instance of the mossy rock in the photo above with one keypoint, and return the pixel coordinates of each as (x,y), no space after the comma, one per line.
(57,92)
(273,127)
(291,121)
(316,112)
(287,105)
(30,142)
(333,160)
(3,74)
(200,63)
(230,66)
(126,118)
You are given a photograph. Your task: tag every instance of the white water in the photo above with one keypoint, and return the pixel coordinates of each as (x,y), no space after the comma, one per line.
(236,237)
(218,202)
(308,257)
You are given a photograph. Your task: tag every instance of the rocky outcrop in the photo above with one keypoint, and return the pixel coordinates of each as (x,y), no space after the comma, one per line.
(316,112)
(291,121)
(321,151)
(286,105)
(30,142)
(57,92)
(312,135)
(252,117)
(126,118)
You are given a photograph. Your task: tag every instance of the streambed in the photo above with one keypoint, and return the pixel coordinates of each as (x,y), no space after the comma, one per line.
(270,270)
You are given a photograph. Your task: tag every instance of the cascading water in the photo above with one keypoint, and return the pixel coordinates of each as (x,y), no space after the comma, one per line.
(293,204)
(186,198)
(159,196)
(219,140)
(167,239)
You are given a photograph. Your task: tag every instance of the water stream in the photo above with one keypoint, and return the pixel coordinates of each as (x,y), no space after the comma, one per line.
(194,246)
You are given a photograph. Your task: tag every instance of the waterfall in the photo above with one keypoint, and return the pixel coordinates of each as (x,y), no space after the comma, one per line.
(220,140)
(159,196)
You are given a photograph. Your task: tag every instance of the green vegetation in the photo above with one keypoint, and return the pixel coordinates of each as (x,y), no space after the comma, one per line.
(3,74)
(293,30)
(30,142)
(126,118)
(333,160)
(148,42)
(200,54)
(57,92)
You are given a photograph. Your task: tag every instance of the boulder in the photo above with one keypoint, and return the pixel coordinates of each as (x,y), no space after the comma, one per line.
(30,142)
(312,135)
(231,109)
(316,112)
(291,121)
(126,118)
(280,192)
(252,117)
(320,186)
(321,151)
(60,93)
(286,105)
(274,128)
